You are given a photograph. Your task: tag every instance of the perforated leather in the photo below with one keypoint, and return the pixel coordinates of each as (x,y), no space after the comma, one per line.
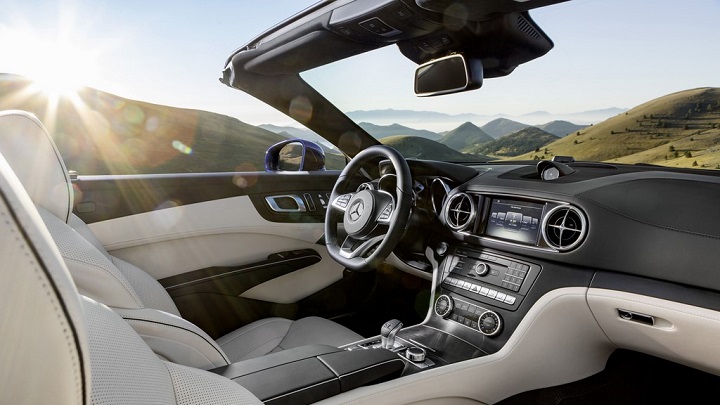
(44,348)
(193,387)
(94,274)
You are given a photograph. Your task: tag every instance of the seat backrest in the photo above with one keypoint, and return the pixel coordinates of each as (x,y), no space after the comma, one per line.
(42,338)
(61,348)
(97,274)
(37,163)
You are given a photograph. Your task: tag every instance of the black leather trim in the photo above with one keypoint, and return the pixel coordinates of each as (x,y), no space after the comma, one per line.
(311,373)
(108,197)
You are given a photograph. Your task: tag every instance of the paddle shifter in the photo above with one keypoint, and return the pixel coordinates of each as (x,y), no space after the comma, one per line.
(388,332)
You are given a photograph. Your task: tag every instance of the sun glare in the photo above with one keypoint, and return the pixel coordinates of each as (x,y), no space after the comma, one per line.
(57,66)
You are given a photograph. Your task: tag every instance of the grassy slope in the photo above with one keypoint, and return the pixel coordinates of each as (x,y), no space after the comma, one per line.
(421,148)
(384,131)
(645,133)
(522,141)
(465,135)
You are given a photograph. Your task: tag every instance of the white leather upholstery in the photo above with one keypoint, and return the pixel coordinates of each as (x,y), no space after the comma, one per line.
(119,284)
(272,335)
(31,153)
(172,337)
(42,338)
(60,348)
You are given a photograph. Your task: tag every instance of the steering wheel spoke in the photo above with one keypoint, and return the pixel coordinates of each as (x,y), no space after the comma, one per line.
(352,248)
(341,202)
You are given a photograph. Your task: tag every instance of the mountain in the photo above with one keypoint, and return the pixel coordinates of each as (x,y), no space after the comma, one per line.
(422,148)
(525,140)
(465,135)
(560,128)
(680,129)
(502,126)
(383,131)
(101,133)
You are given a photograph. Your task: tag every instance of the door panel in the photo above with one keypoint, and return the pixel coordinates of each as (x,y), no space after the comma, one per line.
(192,225)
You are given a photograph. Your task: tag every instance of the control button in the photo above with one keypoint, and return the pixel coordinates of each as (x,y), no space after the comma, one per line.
(385,215)
(402,13)
(444,306)
(461,319)
(509,300)
(376,26)
(500,296)
(474,324)
(492,294)
(481,268)
(468,322)
(489,323)
(484,291)
(484,256)
(415,354)
(494,273)
(505,284)
(525,267)
(463,306)
(466,285)
(475,288)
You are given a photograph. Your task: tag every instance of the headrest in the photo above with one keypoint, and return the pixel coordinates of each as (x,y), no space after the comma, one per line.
(43,338)
(33,156)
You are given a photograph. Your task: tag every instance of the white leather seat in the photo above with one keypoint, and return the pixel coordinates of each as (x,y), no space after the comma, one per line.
(128,290)
(61,348)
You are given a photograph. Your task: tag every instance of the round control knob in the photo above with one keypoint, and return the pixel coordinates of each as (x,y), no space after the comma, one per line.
(444,305)
(489,323)
(415,354)
(481,269)
(441,249)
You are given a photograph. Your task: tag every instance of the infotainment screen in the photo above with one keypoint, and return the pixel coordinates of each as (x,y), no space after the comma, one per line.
(514,220)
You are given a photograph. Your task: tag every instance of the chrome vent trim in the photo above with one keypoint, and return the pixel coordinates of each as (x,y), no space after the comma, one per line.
(564,228)
(460,211)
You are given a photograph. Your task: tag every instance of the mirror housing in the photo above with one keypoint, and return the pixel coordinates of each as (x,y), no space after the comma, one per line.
(295,155)
(449,74)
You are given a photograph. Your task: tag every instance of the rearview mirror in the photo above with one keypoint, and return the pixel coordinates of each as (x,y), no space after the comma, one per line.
(295,155)
(450,74)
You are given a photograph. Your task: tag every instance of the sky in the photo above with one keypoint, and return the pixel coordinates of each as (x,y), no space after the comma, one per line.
(608,53)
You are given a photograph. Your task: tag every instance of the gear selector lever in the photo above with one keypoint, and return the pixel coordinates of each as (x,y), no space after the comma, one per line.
(388,332)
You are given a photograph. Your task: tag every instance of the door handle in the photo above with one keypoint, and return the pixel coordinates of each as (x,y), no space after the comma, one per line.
(286,203)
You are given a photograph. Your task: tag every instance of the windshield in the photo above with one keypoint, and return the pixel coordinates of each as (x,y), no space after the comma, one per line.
(129,87)
(627,82)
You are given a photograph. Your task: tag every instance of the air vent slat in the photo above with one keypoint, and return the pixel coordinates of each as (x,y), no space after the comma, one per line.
(460,211)
(564,228)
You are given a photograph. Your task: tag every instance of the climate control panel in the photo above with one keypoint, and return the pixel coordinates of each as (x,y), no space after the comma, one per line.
(487,322)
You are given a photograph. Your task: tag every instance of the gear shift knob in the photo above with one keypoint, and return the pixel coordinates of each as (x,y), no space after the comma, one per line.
(388,332)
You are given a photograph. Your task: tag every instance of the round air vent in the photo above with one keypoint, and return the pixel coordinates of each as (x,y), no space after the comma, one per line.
(564,227)
(460,211)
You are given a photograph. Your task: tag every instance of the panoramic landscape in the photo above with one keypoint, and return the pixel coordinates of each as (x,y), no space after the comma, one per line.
(100,133)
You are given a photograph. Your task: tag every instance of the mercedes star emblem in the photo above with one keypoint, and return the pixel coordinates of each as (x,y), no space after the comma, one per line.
(356,210)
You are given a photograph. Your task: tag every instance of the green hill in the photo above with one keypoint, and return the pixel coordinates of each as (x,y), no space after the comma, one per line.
(523,141)
(560,128)
(679,129)
(101,133)
(421,148)
(383,131)
(500,127)
(465,135)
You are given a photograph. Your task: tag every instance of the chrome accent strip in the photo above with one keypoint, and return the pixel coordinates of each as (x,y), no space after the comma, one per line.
(275,207)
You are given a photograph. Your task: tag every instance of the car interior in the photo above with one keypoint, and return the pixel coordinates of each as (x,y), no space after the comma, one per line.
(395,280)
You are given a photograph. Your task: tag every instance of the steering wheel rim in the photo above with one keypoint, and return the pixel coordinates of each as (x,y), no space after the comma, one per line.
(364,214)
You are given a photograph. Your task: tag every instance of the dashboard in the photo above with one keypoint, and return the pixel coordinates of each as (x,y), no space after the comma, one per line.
(504,235)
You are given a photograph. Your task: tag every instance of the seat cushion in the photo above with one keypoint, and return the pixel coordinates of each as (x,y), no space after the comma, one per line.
(275,334)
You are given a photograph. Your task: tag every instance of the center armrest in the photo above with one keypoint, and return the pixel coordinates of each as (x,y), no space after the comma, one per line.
(308,374)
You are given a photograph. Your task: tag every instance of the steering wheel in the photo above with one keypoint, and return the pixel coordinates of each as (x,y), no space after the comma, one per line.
(374,220)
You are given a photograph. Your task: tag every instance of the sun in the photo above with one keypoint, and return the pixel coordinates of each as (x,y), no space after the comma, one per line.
(59,66)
